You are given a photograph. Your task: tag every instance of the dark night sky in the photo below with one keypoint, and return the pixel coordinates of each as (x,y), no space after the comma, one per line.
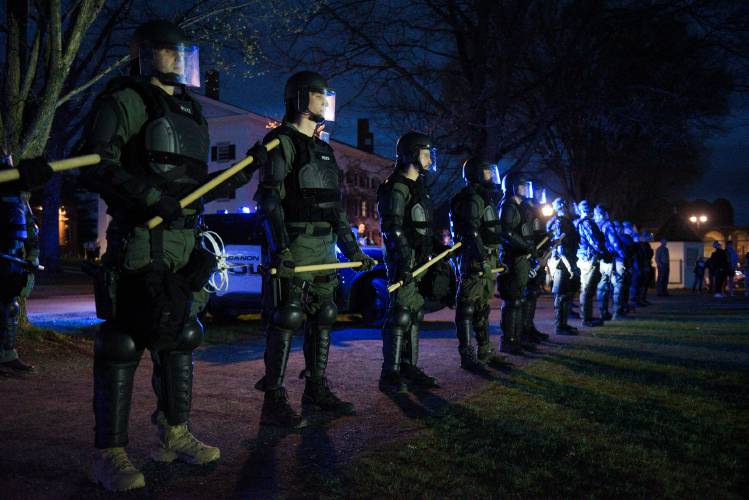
(727,175)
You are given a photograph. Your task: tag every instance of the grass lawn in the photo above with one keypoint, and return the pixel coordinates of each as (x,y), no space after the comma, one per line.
(651,407)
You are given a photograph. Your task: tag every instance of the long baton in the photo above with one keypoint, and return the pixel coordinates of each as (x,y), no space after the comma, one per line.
(57,166)
(323,267)
(23,263)
(202,190)
(426,266)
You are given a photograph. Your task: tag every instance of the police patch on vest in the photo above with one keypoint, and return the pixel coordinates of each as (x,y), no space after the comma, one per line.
(185,109)
(324,157)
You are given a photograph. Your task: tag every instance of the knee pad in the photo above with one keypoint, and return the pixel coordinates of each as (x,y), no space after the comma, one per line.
(190,337)
(289,316)
(399,317)
(464,311)
(418,316)
(327,314)
(12,309)
(116,347)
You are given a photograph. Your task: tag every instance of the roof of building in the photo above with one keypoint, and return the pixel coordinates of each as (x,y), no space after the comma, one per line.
(676,228)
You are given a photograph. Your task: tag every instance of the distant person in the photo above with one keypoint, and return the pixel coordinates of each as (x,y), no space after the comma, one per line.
(662,259)
(699,275)
(718,265)
(733,262)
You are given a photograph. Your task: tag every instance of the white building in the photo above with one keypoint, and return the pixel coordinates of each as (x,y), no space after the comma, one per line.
(234,130)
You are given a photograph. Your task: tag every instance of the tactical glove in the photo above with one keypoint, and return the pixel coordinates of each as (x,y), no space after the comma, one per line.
(259,155)
(34,173)
(168,208)
(367,262)
(283,261)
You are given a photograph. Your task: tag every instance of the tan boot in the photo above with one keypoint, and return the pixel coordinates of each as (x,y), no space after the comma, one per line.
(177,442)
(112,469)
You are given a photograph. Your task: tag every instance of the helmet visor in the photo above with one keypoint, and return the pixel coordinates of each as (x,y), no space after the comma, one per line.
(175,64)
(428,159)
(491,175)
(527,189)
(328,112)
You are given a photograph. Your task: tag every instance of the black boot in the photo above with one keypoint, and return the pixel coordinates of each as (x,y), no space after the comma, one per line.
(318,393)
(278,412)
(391,382)
(409,368)
(531,332)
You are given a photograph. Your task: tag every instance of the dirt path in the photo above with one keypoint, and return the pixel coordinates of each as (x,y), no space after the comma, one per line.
(47,421)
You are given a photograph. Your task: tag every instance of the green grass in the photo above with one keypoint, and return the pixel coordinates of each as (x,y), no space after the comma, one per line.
(649,408)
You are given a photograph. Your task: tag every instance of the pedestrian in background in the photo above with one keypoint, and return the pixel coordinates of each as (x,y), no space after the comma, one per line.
(662,259)
(718,265)
(733,262)
(699,274)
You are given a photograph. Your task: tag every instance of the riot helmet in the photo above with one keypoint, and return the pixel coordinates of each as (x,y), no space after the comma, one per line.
(518,184)
(161,49)
(559,205)
(600,213)
(296,95)
(478,171)
(411,148)
(583,208)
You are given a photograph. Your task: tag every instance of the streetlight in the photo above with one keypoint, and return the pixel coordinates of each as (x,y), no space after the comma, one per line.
(698,219)
(547,211)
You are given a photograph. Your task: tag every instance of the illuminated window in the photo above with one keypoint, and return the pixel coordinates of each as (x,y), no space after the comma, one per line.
(364,208)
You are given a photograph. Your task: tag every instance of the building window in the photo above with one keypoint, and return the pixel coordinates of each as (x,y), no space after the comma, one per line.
(223,152)
(363,181)
(364,208)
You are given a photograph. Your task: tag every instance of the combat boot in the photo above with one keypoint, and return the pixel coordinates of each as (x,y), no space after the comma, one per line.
(392,382)
(176,442)
(16,366)
(112,470)
(416,375)
(469,361)
(317,392)
(488,355)
(278,412)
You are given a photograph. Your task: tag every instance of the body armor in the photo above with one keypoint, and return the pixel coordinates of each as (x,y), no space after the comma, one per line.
(464,208)
(313,186)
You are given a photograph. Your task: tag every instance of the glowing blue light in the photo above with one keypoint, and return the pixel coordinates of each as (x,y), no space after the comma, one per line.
(245,210)
(543,196)
(222,212)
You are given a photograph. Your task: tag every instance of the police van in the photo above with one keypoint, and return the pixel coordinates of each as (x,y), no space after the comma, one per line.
(361,293)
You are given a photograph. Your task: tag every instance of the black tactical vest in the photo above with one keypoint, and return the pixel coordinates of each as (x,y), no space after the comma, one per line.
(173,145)
(417,216)
(313,188)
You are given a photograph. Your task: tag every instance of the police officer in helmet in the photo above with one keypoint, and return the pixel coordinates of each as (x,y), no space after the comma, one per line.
(299,199)
(475,223)
(516,233)
(19,252)
(405,209)
(153,140)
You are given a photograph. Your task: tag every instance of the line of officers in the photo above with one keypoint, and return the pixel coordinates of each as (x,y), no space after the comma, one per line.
(153,140)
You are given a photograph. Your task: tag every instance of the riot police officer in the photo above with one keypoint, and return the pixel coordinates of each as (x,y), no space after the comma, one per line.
(405,209)
(153,140)
(516,230)
(591,249)
(475,223)
(630,239)
(644,274)
(611,269)
(19,253)
(537,277)
(563,265)
(299,199)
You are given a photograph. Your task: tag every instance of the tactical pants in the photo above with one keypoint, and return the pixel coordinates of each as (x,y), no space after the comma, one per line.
(662,285)
(119,344)
(513,288)
(472,311)
(400,333)
(606,270)
(618,283)
(306,301)
(589,278)
(563,290)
